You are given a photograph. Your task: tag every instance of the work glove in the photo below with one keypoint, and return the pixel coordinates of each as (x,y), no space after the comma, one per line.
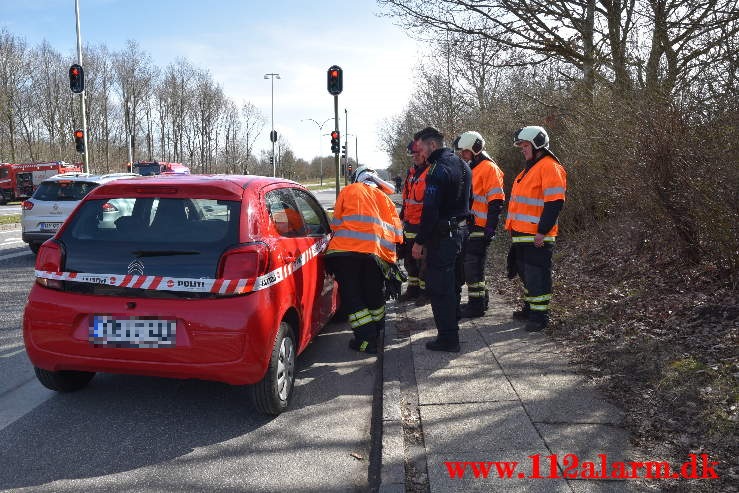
(489,235)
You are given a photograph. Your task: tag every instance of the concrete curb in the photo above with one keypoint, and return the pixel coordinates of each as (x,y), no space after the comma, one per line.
(392,473)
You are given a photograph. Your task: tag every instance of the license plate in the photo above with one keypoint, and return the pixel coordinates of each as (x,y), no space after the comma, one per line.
(132,332)
(50,227)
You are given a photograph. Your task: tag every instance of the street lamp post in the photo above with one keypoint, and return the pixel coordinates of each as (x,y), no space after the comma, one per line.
(272,134)
(320,129)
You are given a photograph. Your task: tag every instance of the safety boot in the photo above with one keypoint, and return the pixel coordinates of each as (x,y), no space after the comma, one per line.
(537,322)
(363,346)
(439,344)
(411,293)
(474,308)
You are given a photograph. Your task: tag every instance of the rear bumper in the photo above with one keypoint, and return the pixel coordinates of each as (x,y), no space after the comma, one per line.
(227,339)
(35,237)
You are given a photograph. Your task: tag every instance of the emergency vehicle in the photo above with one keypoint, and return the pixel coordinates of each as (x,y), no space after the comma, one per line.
(148,168)
(19,181)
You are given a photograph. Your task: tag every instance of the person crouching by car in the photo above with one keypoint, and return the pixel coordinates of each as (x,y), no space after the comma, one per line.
(366,230)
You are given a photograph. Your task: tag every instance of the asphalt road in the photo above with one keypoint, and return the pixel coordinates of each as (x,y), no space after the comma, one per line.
(127,433)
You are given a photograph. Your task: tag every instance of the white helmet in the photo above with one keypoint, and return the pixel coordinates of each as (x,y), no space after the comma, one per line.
(367,175)
(537,136)
(472,141)
(359,171)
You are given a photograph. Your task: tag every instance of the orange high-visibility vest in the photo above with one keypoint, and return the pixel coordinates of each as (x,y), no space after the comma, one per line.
(545,181)
(487,185)
(413,193)
(365,221)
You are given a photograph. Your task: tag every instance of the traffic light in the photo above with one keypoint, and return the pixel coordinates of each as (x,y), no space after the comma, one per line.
(335,80)
(349,169)
(271,160)
(76,78)
(343,151)
(79,141)
(335,142)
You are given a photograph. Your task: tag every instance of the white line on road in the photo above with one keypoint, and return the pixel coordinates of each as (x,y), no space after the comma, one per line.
(14,255)
(22,400)
(12,354)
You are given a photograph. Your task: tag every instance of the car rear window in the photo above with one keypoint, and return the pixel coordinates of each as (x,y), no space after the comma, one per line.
(63,190)
(175,237)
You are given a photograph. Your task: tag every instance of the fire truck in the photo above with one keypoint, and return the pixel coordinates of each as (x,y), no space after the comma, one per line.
(19,181)
(147,168)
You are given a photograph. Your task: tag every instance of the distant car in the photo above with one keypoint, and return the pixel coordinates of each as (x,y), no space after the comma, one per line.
(211,277)
(55,199)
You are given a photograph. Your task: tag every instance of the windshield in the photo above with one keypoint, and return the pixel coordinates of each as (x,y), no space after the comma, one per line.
(147,169)
(63,190)
(178,237)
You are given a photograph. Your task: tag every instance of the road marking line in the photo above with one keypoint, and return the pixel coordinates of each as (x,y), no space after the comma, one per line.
(14,255)
(12,354)
(22,400)
(12,241)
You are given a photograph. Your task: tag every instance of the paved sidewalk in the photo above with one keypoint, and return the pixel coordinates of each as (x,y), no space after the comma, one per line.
(506,396)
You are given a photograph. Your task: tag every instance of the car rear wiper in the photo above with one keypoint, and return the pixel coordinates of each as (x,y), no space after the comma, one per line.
(163,253)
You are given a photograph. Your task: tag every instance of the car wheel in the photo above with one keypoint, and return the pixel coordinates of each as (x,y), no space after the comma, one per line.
(63,381)
(272,394)
(34,247)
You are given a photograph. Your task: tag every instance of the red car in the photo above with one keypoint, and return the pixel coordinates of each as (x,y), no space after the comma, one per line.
(211,277)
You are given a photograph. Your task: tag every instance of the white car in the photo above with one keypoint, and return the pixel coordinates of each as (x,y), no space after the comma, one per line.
(55,199)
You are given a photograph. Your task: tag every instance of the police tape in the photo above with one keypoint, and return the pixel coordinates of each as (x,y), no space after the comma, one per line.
(192,285)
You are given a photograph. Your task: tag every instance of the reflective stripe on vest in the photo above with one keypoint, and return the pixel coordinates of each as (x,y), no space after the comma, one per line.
(413,200)
(530,239)
(366,221)
(545,181)
(487,185)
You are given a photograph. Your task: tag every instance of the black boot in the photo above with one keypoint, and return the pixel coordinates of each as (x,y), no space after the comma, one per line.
(448,345)
(537,321)
(474,308)
(365,339)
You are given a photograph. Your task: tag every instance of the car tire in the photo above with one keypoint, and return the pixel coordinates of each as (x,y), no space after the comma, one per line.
(34,247)
(63,381)
(272,394)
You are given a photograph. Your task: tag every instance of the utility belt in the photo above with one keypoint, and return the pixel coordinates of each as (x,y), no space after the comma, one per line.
(450,226)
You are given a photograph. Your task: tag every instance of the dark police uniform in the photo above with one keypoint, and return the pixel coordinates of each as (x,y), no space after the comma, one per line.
(442,231)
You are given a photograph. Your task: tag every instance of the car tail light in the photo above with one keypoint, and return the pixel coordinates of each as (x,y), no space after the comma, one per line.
(244,262)
(49,259)
(108,207)
(27,205)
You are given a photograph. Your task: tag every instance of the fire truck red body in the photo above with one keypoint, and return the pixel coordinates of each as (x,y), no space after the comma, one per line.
(19,181)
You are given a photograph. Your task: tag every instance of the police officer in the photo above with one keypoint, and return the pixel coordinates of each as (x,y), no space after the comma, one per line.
(486,203)
(410,214)
(366,229)
(537,197)
(442,230)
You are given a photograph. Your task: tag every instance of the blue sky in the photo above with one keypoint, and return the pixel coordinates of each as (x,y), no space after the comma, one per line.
(240,41)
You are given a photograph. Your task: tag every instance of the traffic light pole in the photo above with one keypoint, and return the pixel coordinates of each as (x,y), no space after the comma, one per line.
(346,142)
(336,154)
(85,156)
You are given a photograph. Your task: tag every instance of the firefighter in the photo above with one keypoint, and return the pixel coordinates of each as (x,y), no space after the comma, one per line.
(442,230)
(366,230)
(537,198)
(410,214)
(486,202)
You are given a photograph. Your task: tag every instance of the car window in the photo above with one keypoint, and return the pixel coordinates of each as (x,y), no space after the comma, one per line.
(312,212)
(284,214)
(155,220)
(63,190)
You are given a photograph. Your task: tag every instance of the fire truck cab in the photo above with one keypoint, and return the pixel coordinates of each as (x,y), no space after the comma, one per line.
(148,168)
(19,181)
